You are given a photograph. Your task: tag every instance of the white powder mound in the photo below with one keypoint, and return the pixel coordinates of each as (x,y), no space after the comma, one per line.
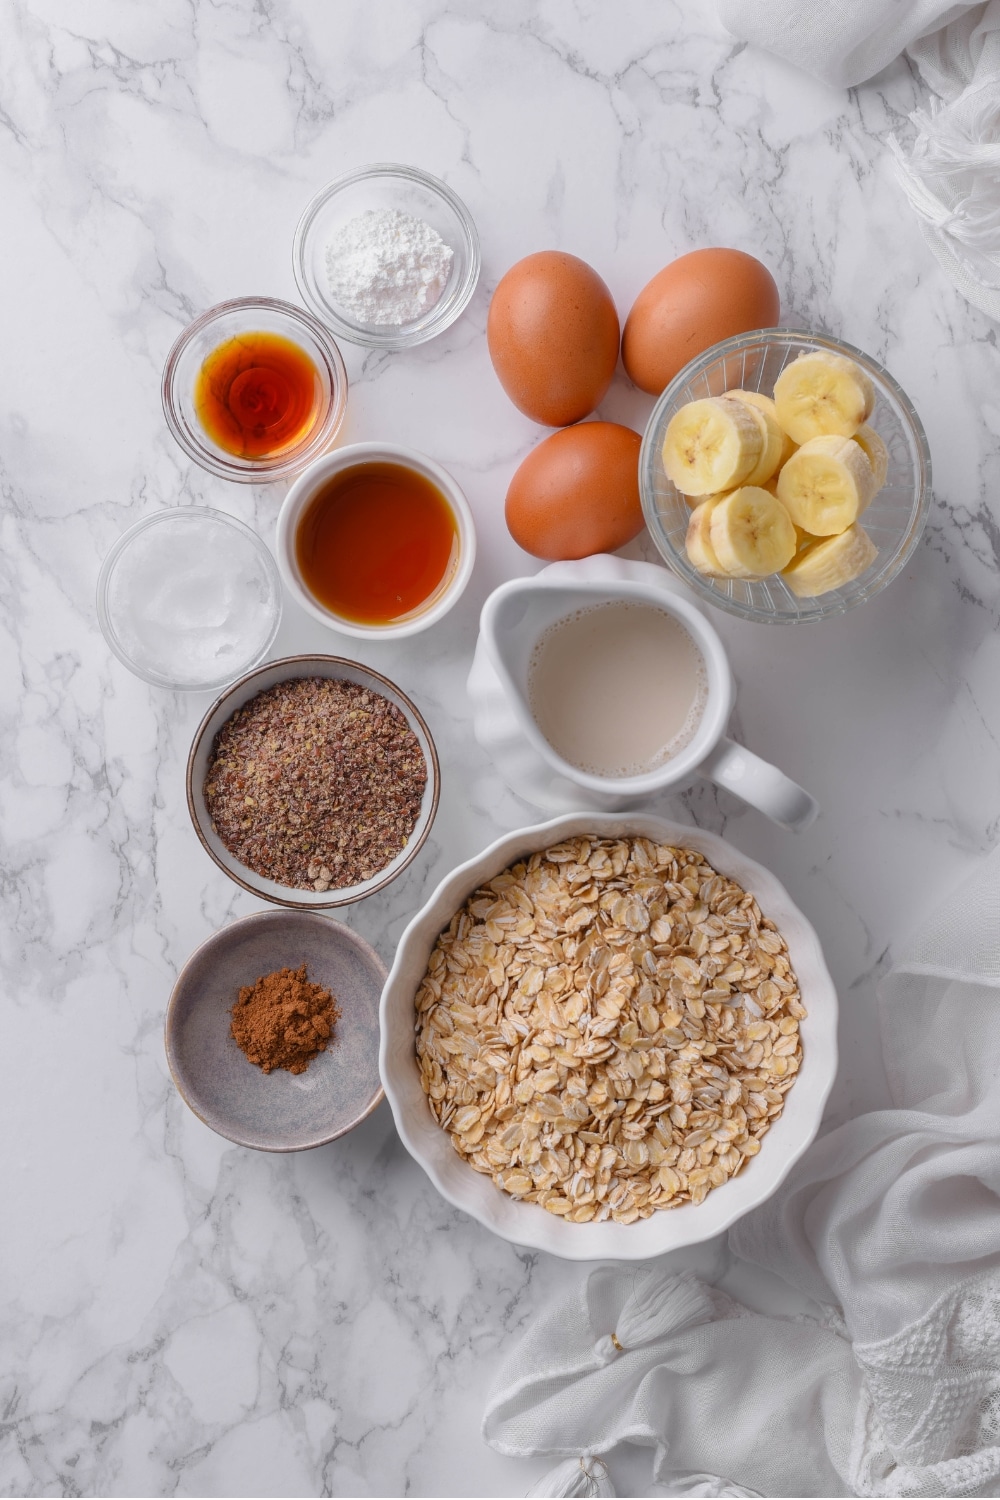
(386,267)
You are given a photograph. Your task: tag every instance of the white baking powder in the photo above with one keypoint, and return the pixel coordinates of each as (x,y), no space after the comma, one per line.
(386,267)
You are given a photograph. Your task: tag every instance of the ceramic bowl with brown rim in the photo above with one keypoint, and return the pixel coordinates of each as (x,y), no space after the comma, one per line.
(236,697)
(276,1111)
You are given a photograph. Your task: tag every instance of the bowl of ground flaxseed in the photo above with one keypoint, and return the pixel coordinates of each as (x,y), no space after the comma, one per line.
(313,781)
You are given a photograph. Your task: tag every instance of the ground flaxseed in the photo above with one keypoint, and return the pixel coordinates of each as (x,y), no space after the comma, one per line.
(316,783)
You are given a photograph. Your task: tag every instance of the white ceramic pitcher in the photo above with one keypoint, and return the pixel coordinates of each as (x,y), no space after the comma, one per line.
(518,613)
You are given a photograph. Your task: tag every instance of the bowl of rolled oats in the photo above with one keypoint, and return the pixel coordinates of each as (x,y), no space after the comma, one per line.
(595,1035)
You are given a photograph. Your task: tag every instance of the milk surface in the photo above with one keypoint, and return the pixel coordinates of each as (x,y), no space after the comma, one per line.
(617,689)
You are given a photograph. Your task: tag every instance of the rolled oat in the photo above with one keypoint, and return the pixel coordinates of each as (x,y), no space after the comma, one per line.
(609,1028)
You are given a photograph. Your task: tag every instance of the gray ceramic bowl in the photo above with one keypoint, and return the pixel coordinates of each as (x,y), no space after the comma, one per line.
(241,692)
(277,1111)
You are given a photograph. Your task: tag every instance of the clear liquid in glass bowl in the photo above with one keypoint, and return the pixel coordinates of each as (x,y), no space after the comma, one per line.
(189,599)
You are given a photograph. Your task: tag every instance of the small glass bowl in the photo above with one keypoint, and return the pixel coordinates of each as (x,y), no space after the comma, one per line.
(894,520)
(219,566)
(227,320)
(385,185)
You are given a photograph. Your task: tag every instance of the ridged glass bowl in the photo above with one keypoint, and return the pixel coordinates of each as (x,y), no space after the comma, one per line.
(894,520)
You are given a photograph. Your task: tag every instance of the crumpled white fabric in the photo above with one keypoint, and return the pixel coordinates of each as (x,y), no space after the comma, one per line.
(890,1224)
(585,1477)
(843,43)
(951,173)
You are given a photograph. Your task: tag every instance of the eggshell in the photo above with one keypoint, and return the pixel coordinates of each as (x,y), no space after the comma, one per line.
(690,305)
(553,337)
(577,492)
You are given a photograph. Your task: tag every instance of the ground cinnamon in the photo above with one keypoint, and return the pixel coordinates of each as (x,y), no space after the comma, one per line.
(283,1020)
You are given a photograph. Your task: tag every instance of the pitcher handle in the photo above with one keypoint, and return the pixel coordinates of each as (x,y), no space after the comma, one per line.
(762,785)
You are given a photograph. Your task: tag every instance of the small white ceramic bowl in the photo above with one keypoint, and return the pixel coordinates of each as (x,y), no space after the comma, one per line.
(309,483)
(221,712)
(527,1223)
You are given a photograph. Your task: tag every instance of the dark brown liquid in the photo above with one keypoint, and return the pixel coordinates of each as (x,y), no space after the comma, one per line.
(376,543)
(258,395)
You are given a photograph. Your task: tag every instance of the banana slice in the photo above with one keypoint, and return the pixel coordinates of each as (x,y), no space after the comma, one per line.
(751,534)
(772,440)
(820,393)
(831,563)
(826,484)
(711,446)
(875,451)
(766,405)
(698,543)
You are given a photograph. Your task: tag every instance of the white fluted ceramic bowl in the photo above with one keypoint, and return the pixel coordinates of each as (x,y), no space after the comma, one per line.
(671,1229)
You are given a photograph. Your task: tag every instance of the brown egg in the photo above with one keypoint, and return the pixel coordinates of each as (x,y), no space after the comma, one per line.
(553,337)
(577,492)
(691,304)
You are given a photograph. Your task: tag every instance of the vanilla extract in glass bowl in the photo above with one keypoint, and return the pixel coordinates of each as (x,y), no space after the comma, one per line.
(254,389)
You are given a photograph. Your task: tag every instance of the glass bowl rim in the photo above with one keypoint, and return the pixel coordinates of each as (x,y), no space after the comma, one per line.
(256,471)
(171,512)
(918,510)
(395,335)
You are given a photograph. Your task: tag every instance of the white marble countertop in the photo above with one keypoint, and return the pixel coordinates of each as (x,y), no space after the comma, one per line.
(181,1316)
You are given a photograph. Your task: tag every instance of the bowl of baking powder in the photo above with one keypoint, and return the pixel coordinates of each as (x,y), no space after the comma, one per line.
(386,256)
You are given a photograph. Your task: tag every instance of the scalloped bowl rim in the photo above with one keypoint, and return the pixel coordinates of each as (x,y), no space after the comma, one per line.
(527,1223)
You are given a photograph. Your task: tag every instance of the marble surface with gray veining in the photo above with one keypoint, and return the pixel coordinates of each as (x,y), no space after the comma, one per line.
(179,1316)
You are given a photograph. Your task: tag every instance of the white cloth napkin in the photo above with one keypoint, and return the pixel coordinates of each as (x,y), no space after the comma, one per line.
(891,1224)
(951,173)
(844,43)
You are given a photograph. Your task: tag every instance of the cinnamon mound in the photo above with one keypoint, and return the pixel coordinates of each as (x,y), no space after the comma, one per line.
(283,1020)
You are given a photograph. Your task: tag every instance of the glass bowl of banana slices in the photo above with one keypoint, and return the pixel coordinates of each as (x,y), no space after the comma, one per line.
(785,476)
